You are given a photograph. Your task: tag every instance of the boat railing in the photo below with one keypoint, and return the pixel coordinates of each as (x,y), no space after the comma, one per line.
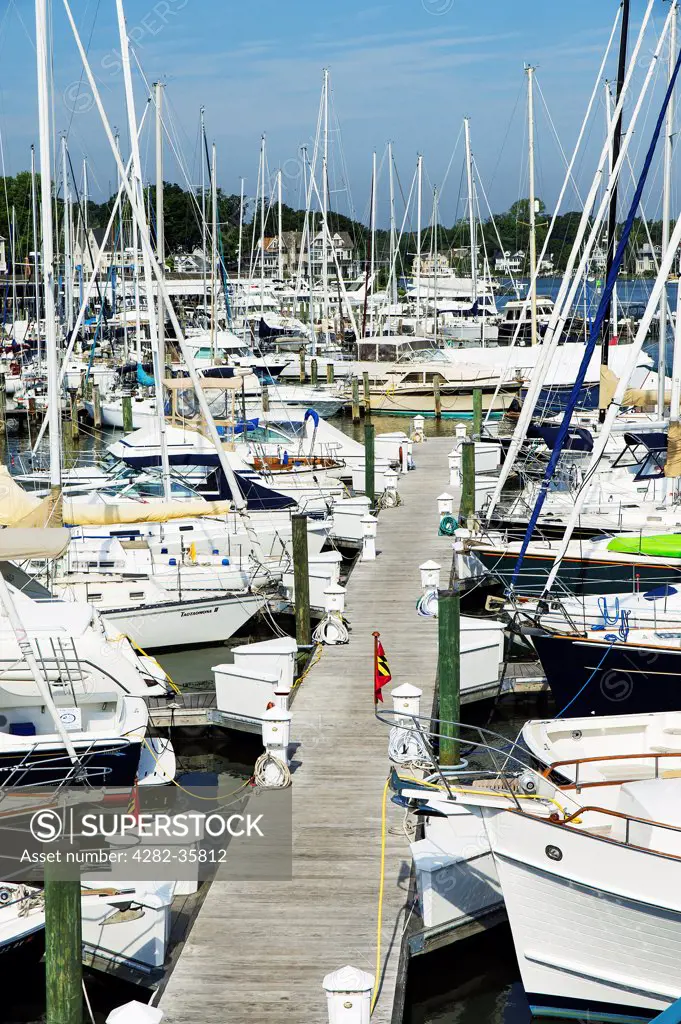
(508,760)
(69,772)
(577,763)
(628,819)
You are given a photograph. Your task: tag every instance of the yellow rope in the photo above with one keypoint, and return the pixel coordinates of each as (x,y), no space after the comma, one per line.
(486,792)
(190,792)
(379,921)
(124,636)
(313,661)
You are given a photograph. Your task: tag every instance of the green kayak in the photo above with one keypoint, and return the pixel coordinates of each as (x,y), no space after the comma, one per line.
(664,545)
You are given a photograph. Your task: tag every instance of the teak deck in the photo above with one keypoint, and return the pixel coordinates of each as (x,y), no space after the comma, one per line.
(257,953)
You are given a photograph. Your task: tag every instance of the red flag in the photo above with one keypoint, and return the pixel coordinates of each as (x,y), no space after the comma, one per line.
(381,669)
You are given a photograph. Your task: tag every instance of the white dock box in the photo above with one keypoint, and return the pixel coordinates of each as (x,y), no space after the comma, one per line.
(243,694)
(347,518)
(380,466)
(388,446)
(455,872)
(482,651)
(323,570)
(487,456)
(273,657)
(484,489)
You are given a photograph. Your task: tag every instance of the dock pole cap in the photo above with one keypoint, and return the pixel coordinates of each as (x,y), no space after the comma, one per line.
(430,575)
(407,700)
(135,1012)
(348,994)
(445,504)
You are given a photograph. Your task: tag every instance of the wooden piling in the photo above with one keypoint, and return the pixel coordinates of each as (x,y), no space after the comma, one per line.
(63,967)
(3,401)
(314,373)
(96,406)
(301,360)
(301,583)
(437,397)
(127,414)
(449,673)
(265,398)
(370,462)
(73,413)
(467,507)
(329,373)
(355,400)
(367,393)
(476,430)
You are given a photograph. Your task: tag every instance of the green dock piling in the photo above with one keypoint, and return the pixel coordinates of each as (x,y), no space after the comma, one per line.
(329,373)
(477,414)
(301,583)
(314,373)
(370,462)
(63,967)
(449,673)
(467,507)
(127,414)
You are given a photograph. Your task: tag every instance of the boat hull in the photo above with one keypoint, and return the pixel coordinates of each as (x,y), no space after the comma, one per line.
(580,576)
(184,623)
(108,762)
(596,924)
(614,678)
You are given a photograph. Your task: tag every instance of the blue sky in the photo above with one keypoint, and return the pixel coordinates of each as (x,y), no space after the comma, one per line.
(407,71)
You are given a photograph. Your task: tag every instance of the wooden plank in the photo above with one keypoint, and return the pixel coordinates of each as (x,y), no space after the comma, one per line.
(258,952)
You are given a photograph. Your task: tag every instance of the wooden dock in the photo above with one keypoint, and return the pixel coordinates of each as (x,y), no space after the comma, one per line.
(257,953)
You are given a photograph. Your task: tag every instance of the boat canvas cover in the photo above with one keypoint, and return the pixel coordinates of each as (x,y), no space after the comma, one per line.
(100,514)
(17,507)
(664,545)
(26,542)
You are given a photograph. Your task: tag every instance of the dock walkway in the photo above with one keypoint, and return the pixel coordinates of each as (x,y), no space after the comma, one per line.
(257,953)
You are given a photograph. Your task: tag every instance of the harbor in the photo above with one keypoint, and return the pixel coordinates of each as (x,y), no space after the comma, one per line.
(340,517)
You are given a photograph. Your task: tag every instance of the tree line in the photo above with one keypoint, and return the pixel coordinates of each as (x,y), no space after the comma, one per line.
(506,232)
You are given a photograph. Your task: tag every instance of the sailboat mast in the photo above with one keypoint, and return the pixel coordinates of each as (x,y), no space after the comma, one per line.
(85,202)
(121,252)
(419,218)
(160,223)
(325,208)
(53,411)
(471,210)
(68,269)
(374,184)
(203,210)
(13,250)
(137,193)
(241,230)
(280,232)
(612,211)
(666,212)
(214,232)
(532,204)
(262,224)
(393,278)
(36,258)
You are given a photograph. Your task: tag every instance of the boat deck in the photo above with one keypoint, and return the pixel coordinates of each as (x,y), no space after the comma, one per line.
(257,953)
